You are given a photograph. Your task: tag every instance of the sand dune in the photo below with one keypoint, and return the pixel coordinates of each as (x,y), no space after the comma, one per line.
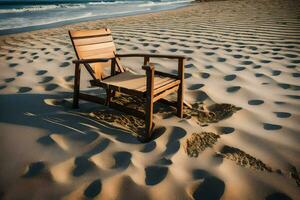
(240,140)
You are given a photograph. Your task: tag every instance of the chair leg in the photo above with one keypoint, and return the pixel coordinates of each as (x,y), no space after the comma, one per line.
(76,86)
(149,117)
(149,101)
(180,101)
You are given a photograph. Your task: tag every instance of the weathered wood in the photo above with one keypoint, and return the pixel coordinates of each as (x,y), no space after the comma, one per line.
(113,67)
(93,40)
(149,100)
(116,88)
(158,82)
(76,86)
(106,45)
(82,61)
(95,49)
(180,91)
(89,33)
(97,53)
(146,60)
(165,93)
(151,55)
(166,86)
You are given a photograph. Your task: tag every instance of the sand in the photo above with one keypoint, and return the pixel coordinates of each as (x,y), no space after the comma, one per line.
(239,141)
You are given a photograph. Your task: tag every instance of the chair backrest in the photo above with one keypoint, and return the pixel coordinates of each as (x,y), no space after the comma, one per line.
(89,44)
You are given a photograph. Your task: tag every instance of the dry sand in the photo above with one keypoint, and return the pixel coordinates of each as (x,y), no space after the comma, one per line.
(241,53)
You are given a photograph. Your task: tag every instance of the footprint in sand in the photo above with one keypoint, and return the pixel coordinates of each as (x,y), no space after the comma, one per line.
(41,72)
(46,79)
(258,75)
(291,66)
(293,97)
(201,96)
(196,86)
(237,56)
(233,89)
(51,86)
(155,174)
(295,61)
(187,75)
(247,62)
(276,72)
(239,68)
(8,80)
(93,189)
(271,127)
(220,59)
(229,77)
(209,67)
(265,61)
(164,161)
(296,75)
(64,64)
(283,114)
(189,65)
(34,169)
(212,188)
(2,87)
(122,160)
(69,78)
(226,130)
(256,66)
(148,147)
(82,165)
(205,75)
(255,102)
(103,144)
(173,50)
(209,53)
(13,64)
(19,73)
(24,89)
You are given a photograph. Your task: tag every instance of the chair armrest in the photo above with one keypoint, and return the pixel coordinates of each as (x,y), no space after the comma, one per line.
(93,60)
(151,55)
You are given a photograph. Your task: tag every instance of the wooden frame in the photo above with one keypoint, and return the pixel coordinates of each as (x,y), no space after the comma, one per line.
(153,92)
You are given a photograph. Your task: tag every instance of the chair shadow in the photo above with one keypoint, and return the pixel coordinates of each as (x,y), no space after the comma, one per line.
(55,114)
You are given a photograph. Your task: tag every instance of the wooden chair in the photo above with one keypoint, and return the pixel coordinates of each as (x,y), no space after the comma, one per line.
(95,50)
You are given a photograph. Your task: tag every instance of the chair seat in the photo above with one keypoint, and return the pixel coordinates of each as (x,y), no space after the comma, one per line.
(137,82)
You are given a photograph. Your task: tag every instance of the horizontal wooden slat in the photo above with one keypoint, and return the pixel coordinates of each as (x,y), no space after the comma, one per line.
(158,82)
(95,46)
(151,55)
(92,40)
(102,55)
(89,33)
(166,86)
(97,53)
(165,93)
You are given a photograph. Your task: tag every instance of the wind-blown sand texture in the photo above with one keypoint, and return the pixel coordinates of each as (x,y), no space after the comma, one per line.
(243,56)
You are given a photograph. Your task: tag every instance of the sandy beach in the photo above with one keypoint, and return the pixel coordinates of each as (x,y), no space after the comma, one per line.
(239,141)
